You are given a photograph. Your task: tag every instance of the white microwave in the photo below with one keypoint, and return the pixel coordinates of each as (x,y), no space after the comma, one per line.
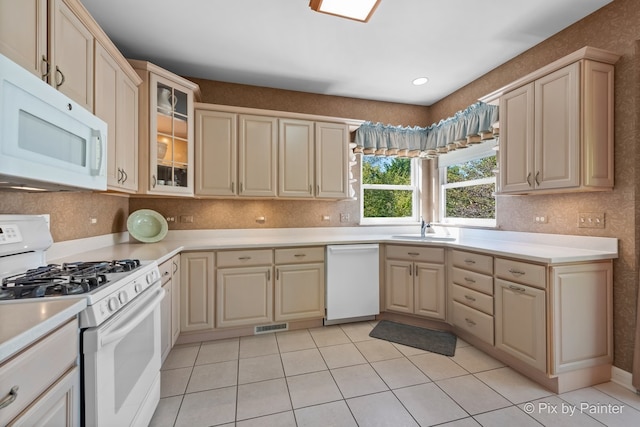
(47,141)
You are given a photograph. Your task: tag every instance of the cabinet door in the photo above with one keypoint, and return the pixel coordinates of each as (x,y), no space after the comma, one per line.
(216,153)
(429,297)
(299,292)
(332,160)
(127,132)
(520,322)
(557,129)
(70,55)
(106,95)
(581,316)
(295,148)
(165,321)
(197,291)
(258,156)
(244,296)
(23,33)
(58,407)
(175,299)
(516,140)
(399,286)
(170,141)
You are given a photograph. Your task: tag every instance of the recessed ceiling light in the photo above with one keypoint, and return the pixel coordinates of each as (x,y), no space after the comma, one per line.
(359,10)
(420,81)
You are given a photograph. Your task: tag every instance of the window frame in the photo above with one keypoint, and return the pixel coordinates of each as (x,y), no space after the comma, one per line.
(473,153)
(415,186)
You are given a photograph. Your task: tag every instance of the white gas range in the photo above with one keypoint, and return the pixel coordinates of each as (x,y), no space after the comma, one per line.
(120,339)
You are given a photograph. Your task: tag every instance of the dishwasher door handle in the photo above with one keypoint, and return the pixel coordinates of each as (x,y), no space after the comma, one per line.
(352,248)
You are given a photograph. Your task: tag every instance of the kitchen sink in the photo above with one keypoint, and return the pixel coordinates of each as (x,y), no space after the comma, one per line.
(426,238)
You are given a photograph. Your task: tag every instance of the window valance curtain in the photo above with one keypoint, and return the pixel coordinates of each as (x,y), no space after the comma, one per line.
(469,126)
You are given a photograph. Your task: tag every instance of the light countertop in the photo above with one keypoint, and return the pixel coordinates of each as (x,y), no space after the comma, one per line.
(24,322)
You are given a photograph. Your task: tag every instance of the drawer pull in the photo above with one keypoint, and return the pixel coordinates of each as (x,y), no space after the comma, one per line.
(244,258)
(413,253)
(516,272)
(470,298)
(10,398)
(300,255)
(469,261)
(470,322)
(469,279)
(516,288)
(175,267)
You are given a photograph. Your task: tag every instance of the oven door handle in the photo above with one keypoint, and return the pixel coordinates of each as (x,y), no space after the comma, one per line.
(131,324)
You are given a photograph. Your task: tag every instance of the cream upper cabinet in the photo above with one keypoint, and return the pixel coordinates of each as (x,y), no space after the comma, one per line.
(296,158)
(216,153)
(166,156)
(332,160)
(116,102)
(258,161)
(414,281)
(23,33)
(557,129)
(49,40)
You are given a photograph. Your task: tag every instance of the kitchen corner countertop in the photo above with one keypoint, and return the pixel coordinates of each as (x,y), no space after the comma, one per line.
(22,323)
(533,247)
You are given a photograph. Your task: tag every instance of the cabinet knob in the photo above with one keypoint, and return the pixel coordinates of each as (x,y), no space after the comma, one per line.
(529,179)
(59,73)
(538,178)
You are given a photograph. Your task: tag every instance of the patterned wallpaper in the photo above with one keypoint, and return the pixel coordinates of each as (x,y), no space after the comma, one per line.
(614,27)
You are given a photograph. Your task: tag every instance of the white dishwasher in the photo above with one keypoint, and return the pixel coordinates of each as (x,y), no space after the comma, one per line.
(353,283)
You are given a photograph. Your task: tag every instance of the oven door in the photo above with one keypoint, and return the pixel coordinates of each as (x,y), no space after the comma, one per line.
(121,364)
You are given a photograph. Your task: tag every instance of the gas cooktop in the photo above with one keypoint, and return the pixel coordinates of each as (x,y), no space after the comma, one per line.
(72,278)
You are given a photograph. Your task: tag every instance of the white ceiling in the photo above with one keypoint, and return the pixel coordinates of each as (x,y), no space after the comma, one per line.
(284,44)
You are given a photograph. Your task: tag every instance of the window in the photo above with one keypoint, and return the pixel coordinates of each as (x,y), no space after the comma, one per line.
(390,190)
(467,187)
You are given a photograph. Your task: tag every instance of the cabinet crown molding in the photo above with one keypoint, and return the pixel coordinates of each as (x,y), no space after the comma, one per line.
(587,52)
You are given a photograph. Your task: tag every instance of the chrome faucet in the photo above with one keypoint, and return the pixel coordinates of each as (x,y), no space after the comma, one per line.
(425,228)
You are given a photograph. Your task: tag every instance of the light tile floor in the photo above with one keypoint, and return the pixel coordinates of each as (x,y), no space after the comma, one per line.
(339,376)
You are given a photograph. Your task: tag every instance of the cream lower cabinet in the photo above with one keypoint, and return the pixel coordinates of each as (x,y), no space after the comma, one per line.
(170,306)
(471,293)
(414,281)
(48,394)
(299,286)
(197,291)
(244,288)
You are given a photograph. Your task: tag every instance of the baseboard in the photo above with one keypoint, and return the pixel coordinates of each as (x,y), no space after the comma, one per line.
(622,378)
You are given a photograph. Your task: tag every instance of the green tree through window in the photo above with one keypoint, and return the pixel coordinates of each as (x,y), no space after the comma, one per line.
(388,187)
(468,190)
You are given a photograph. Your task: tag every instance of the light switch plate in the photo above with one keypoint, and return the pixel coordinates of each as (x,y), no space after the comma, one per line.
(591,220)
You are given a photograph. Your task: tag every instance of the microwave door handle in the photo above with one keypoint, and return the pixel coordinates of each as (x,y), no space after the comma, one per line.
(96,168)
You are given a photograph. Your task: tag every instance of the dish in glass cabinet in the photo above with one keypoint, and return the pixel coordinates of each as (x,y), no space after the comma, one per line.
(147,226)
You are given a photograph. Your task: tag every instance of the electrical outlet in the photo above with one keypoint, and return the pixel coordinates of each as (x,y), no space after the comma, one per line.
(186,218)
(591,220)
(344,217)
(541,219)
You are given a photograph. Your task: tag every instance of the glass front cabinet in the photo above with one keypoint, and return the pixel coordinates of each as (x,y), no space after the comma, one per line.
(166,135)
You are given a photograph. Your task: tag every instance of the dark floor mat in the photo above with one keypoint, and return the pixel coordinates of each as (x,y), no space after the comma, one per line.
(426,339)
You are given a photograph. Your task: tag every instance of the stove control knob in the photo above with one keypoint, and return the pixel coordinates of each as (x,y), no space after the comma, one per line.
(138,287)
(150,277)
(113,304)
(122,296)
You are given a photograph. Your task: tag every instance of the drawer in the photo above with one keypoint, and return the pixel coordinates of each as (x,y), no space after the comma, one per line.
(165,270)
(300,255)
(473,280)
(37,368)
(521,272)
(244,258)
(472,261)
(474,299)
(416,253)
(473,321)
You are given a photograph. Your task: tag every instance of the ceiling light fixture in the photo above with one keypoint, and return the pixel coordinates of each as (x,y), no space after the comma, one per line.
(358,10)
(420,81)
